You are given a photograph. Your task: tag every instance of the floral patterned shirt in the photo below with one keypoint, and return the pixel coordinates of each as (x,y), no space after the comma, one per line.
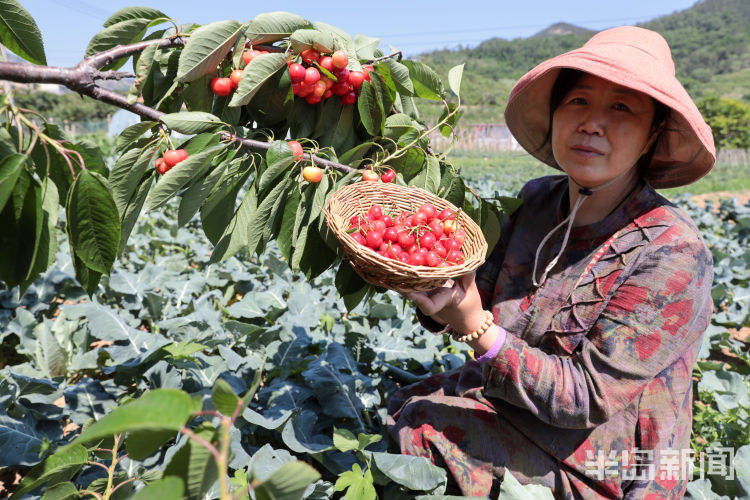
(597,362)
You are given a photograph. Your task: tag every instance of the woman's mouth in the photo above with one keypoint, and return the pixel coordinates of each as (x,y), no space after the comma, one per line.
(587,151)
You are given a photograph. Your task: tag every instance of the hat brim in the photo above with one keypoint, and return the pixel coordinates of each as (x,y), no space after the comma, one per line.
(685,149)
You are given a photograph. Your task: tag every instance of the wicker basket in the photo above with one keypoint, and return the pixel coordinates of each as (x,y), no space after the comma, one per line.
(357,198)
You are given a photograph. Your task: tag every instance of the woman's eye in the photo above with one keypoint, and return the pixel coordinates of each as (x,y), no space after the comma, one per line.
(621,107)
(577,100)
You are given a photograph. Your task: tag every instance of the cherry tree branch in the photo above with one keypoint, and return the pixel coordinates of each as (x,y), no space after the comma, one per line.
(82,78)
(394,54)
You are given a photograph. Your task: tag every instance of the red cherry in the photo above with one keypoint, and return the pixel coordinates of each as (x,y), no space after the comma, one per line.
(388,175)
(387,219)
(349,98)
(427,241)
(310,55)
(249,55)
(358,238)
(235,77)
(319,89)
(440,250)
(312,75)
(376,211)
(416,259)
(313,99)
(391,234)
(160,166)
(356,78)
(174,156)
(340,88)
(374,239)
(296,149)
(326,63)
(342,75)
(370,175)
(403,257)
(447,214)
(460,236)
(455,256)
(432,259)
(340,59)
(429,210)
(436,227)
(327,94)
(221,86)
(378,225)
(296,72)
(406,239)
(419,219)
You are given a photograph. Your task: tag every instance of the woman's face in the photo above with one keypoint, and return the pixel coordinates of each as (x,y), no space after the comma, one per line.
(600,130)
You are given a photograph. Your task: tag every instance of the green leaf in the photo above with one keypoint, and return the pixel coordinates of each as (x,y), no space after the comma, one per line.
(180,175)
(10,168)
(351,287)
(224,399)
(93,222)
(47,249)
(197,94)
(263,213)
(195,464)
(273,26)
(61,466)
(133,209)
(400,75)
(127,174)
(416,473)
(366,46)
(427,83)
(122,33)
(285,238)
(235,236)
(289,482)
(273,172)
(134,13)
(206,48)
(143,444)
(61,491)
(260,70)
(19,32)
(454,78)
(344,440)
(168,488)
(191,122)
(142,72)
(156,410)
(132,133)
(365,440)
(304,39)
(359,486)
(490,225)
(196,194)
(509,204)
(429,178)
(397,125)
(370,110)
(513,490)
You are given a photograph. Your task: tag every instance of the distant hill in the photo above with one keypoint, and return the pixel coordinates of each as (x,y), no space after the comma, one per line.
(710,44)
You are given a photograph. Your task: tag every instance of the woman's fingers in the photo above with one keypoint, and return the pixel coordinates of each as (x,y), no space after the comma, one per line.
(434,301)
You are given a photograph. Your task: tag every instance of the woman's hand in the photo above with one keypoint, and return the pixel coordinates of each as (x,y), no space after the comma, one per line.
(459,306)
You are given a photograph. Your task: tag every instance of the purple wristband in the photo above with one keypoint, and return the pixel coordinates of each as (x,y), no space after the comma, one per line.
(499,341)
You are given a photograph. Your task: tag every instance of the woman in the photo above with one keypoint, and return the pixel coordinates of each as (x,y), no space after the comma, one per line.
(588,316)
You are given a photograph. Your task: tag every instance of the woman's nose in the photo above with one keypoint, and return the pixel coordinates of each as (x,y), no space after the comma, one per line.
(592,123)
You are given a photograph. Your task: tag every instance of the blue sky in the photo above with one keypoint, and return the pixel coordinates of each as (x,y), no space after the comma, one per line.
(413,26)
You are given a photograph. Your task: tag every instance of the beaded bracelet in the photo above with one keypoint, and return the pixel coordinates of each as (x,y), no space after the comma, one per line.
(489,320)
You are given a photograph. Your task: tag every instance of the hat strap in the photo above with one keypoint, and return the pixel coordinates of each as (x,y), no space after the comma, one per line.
(583,194)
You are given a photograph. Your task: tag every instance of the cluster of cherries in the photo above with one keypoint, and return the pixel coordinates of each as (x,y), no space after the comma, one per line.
(310,83)
(223,86)
(423,238)
(169,159)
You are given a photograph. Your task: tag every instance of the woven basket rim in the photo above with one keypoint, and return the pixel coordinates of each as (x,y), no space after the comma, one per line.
(395,274)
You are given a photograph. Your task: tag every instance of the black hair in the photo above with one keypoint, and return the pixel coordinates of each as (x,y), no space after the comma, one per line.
(567,79)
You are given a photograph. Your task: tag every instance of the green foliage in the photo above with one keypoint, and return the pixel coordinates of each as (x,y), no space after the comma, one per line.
(729,121)
(68,106)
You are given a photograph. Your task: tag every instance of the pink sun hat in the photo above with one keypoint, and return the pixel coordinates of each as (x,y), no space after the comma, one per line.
(635,58)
